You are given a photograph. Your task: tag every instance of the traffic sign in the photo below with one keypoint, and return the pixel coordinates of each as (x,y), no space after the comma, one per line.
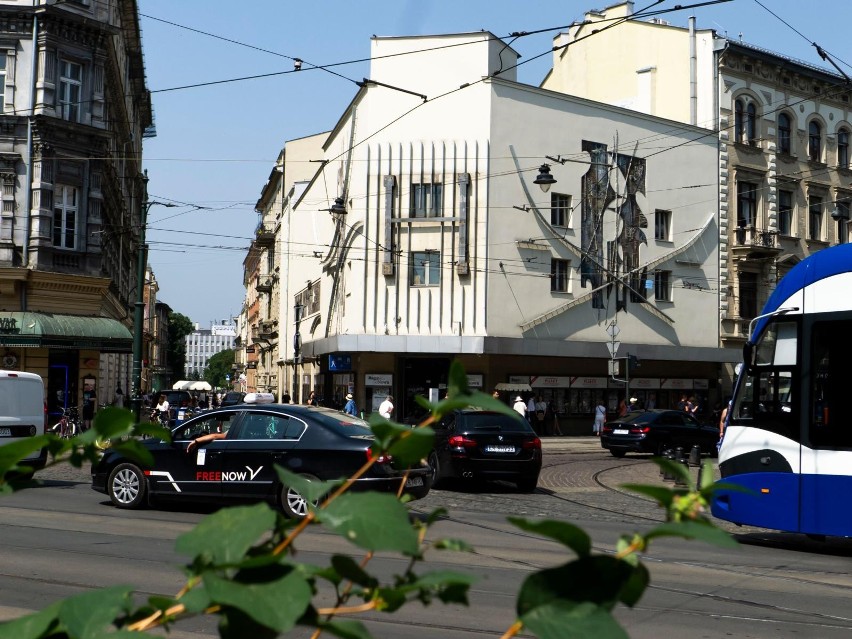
(613,347)
(612,330)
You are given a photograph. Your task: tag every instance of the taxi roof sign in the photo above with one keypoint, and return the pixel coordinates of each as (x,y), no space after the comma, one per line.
(259,398)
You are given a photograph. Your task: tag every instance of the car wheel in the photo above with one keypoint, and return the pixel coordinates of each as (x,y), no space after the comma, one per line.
(127,486)
(527,484)
(292,503)
(617,452)
(435,465)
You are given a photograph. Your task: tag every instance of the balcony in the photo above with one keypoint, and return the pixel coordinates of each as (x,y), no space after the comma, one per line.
(265,283)
(264,236)
(752,242)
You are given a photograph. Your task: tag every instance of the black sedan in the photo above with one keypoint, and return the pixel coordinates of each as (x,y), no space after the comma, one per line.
(654,431)
(241,446)
(475,444)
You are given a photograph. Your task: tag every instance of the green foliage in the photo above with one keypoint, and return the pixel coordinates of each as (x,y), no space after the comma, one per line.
(218,366)
(241,567)
(179,327)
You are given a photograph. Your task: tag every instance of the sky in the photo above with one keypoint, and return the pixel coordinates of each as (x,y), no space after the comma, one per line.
(216,144)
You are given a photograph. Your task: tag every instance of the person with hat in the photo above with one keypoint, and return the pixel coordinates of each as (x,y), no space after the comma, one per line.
(350,408)
(520,406)
(634,405)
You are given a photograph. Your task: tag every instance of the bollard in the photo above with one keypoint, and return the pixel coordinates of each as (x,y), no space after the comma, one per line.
(695,456)
(680,481)
(678,452)
(667,474)
(665,455)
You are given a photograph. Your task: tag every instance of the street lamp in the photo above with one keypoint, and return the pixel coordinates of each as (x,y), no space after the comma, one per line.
(298,312)
(544,179)
(139,310)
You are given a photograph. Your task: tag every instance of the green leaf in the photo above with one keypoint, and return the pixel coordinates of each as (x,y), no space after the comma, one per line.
(706,475)
(387,433)
(702,531)
(346,629)
(134,451)
(562,620)
(373,521)
(89,614)
(597,579)
(31,626)
(14,452)
(449,586)
(111,422)
(409,450)
(566,534)
(660,494)
(349,569)
(196,600)
(277,604)
(457,545)
(677,469)
(225,536)
(312,490)
(635,585)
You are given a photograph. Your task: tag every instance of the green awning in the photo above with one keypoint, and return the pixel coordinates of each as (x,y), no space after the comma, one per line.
(55,330)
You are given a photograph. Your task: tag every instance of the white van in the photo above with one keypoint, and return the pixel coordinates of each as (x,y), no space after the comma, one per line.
(22,411)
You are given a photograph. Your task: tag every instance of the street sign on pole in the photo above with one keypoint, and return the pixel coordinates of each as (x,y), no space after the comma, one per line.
(614,367)
(612,330)
(613,347)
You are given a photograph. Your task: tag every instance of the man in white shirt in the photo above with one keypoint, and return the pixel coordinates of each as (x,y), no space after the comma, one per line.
(520,407)
(386,407)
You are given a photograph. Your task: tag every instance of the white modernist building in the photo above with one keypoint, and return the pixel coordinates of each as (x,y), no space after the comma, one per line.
(424,237)
(204,343)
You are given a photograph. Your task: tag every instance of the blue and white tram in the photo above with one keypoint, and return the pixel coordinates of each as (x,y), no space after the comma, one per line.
(788,439)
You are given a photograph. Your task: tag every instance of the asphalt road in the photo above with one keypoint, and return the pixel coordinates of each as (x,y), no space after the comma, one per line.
(63,538)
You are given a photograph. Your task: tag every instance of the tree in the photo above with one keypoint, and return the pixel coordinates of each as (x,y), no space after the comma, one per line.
(179,327)
(218,366)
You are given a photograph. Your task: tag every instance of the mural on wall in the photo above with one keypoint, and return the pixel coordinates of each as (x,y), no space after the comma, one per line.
(601,271)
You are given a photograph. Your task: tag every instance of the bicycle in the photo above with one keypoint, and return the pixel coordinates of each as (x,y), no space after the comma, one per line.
(68,425)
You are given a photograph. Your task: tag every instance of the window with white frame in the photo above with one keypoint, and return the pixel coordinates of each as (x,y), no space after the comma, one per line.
(426,199)
(663,286)
(70,90)
(559,272)
(842,215)
(425,268)
(745,121)
(662,225)
(815,217)
(746,203)
(560,209)
(64,216)
(843,148)
(785,212)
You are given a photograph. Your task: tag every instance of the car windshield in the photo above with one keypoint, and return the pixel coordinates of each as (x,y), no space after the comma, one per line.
(341,423)
(494,421)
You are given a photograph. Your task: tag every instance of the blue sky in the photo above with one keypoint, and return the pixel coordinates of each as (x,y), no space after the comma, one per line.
(216,144)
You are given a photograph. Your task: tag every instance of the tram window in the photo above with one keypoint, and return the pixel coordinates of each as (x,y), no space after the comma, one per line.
(766,400)
(777,346)
(830,354)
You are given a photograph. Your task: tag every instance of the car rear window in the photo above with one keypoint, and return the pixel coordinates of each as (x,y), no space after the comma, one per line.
(494,421)
(640,418)
(341,423)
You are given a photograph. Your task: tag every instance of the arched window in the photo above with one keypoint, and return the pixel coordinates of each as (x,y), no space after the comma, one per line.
(751,123)
(784,133)
(843,148)
(739,121)
(815,141)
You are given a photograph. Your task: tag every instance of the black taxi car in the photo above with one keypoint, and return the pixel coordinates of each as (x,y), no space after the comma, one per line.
(239,464)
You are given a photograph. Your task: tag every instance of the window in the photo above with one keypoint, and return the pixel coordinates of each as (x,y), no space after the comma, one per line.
(425,268)
(426,199)
(748,294)
(815,218)
(829,357)
(842,215)
(663,286)
(64,216)
(785,212)
(784,133)
(662,225)
(843,148)
(2,82)
(814,141)
(745,122)
(559,270)
(70,86)
(746,203)
(560,209)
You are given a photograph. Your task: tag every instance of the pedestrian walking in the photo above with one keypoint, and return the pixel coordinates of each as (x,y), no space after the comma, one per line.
(600,418)
(386,407)
(520,406)
(350,408)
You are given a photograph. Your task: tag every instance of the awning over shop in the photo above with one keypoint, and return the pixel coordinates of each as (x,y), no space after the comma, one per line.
(55,330)
(513,388)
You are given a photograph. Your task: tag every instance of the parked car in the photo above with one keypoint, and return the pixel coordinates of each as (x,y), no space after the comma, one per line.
(653,431)
(317,443)
(232,398)
(23,414)
(475,444)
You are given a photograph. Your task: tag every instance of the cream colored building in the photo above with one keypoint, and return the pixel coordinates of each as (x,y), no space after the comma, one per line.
(783,128)
(427,240)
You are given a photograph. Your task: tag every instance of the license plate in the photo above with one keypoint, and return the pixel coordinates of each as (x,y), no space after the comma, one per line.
(620,431)
(413,482)
(499,449)
(5,432)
